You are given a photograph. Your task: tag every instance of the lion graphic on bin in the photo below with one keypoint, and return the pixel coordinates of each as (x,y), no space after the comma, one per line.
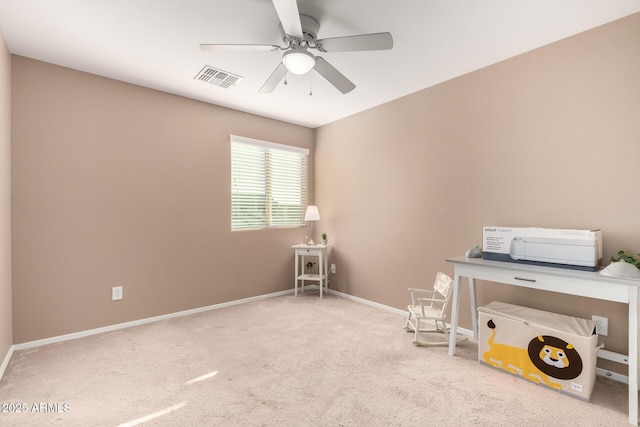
(546,357)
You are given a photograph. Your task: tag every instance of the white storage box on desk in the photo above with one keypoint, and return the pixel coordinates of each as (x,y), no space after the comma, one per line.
(550,349)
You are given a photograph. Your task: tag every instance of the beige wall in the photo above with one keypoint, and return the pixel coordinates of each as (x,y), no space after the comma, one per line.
(6,339)
(114,184)
(550,138)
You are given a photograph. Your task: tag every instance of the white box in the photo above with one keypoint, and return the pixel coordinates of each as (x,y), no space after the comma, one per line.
(550,349)
(576,249)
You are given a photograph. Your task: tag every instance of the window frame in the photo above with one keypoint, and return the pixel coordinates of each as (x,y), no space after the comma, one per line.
(270,149)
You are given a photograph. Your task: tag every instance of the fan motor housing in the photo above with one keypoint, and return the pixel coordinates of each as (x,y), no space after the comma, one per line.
(310,27)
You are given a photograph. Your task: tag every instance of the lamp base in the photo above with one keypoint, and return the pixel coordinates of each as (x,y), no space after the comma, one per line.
(310,242)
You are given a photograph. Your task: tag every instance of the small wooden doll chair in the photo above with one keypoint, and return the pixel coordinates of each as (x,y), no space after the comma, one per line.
(429,306)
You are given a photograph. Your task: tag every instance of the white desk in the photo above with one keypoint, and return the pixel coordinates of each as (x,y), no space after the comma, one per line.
(566,281)
(319,251)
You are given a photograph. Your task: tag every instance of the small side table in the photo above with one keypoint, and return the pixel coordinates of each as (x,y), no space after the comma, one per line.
(319,251)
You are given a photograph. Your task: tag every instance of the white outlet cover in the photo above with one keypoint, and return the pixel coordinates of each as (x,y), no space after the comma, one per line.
(603,330)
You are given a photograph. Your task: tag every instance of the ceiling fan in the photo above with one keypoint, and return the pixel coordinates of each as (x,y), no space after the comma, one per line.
(299,35)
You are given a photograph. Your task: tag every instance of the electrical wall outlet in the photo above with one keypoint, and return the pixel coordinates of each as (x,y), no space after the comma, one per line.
(602,325)
(116,293)
(333,268)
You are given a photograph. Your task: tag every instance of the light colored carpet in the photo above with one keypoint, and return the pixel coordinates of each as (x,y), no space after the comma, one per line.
(283,361)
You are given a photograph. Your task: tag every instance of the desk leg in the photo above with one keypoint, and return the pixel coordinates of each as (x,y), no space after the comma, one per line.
(474,312)
(455,310)
(633,355)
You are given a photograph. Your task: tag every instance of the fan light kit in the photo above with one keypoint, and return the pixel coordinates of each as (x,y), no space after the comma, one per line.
(299,33)
(298,61)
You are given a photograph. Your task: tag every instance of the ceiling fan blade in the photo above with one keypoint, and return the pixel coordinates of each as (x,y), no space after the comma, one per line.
(333,76)
(377,41)
(239,47)
(274,79)
(289,16)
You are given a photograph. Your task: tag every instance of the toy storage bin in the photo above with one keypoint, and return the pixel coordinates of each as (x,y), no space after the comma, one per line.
(550,349)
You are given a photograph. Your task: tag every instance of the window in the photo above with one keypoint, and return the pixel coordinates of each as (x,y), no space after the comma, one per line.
(268,184)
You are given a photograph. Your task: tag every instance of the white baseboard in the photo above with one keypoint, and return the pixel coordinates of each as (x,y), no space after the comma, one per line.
(115,327)
(371,303)
(6,360)
(89,332)
(461,331)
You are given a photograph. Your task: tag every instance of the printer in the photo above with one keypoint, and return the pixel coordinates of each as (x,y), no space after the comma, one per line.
(576,249)
(559,251)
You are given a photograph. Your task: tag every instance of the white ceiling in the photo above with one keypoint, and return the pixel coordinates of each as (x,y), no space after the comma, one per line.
(155,43)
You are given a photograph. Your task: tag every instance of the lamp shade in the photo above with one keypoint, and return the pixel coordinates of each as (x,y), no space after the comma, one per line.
(298,61)
(312,213)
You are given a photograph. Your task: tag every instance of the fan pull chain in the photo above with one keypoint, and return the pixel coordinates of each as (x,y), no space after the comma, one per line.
(310,91)
(285,77)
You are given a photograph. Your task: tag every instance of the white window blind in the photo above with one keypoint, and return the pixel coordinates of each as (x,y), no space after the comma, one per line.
(268,184)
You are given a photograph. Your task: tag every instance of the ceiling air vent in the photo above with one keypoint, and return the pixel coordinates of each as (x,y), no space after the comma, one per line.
(217,77)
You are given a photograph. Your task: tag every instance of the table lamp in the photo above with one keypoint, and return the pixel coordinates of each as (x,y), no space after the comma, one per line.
(311,216)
